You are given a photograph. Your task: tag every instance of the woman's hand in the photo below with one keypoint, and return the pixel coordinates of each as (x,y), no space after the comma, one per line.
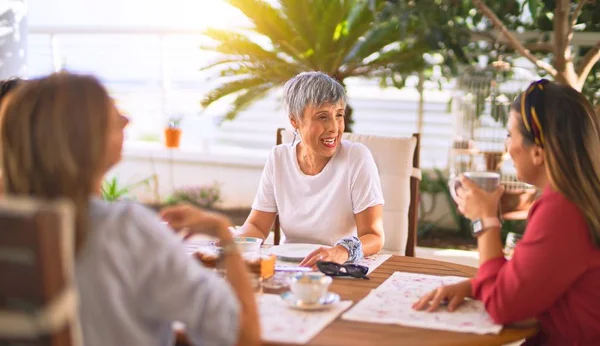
(337,254)
(475,203)
(186,218)
(453,295)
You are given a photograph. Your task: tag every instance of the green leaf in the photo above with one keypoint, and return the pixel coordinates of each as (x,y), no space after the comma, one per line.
(230,88)
(373,41)
(238,46)
(112,191)
(339,29)
(271,23)
(358,23)
(398,83)
(533,7)
(364,38)
(243,101)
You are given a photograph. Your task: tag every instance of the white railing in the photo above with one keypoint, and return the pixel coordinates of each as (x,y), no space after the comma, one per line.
(54,32)
(387,112)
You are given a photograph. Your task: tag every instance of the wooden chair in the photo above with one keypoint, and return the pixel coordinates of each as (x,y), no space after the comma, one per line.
(400,216)
(38,299)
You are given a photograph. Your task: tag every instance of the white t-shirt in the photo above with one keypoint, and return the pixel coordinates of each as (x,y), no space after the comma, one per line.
(319,209)
(135,279)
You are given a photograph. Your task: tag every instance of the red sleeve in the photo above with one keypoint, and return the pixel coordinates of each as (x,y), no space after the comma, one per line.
(551,256)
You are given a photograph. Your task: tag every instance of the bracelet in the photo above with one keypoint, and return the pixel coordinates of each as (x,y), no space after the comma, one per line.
(354,247)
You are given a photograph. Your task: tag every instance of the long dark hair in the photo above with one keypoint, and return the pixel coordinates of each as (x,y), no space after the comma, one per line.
(563,122)
(8,85)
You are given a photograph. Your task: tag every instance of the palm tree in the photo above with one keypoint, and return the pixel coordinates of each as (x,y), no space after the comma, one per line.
(339,37)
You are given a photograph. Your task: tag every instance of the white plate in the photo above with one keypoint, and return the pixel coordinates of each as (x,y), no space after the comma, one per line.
(329,300)
(294,251)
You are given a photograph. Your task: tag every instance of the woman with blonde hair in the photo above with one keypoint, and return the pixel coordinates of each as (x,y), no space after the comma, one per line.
(59,136)
(554,274)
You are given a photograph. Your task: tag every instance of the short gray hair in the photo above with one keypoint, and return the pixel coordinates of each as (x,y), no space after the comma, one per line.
(311,89)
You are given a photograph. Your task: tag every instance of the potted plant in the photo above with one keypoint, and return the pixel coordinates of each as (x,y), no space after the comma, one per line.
(173,133)
(113,190)
(206,197)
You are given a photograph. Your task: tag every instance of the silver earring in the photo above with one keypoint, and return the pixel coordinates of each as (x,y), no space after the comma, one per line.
(295,135)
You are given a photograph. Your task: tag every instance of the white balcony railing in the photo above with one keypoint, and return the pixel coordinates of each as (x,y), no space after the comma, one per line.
(153,72)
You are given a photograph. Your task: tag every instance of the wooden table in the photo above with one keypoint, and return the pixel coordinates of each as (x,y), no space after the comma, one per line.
(351,333)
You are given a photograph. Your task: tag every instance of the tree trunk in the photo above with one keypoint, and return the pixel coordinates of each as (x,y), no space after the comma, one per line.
(348,120)
(564,71)
(421,106)
(568,77)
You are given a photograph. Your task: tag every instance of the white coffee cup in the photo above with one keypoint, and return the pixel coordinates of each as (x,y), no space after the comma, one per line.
(310,287)
(489,181)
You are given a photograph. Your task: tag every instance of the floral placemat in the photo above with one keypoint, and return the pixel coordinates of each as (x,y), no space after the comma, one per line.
(279,323)
(197,243)
(391,303)
(206,244)
(372,262)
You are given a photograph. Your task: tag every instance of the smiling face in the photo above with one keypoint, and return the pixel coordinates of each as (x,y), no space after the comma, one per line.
(321,129)
(527,157)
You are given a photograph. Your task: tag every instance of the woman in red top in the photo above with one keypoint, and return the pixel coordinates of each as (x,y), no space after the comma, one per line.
(554,274)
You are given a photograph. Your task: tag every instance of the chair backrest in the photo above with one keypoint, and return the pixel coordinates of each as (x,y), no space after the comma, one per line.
(397,159)
(38,299)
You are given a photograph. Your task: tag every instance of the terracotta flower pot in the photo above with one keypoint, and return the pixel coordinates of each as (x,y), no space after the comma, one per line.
(172,137)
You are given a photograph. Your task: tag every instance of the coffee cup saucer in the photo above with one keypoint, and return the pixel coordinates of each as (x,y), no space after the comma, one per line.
(328,300)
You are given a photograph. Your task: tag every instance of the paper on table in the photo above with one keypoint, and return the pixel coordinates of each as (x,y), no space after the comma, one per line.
(199,242)
(391,303)
(372,262)
(279,323)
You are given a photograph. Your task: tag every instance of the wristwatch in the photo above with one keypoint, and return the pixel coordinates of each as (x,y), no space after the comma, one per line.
(478,226)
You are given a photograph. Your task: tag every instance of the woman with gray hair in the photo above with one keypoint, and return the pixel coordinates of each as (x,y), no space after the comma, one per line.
(326,190)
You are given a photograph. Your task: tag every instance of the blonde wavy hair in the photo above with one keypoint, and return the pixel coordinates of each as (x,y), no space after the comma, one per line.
(53,134)
(563,122)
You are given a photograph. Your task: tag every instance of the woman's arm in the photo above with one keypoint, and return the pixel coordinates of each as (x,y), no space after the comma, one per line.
(258,224)
(204,302)
(237,276)
(264,208)
(551,256)
(367,199)
(475,203)
(367,206)
(369,225)
(489,245)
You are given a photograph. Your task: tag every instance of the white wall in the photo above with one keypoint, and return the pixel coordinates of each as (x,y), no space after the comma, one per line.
(238,177)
